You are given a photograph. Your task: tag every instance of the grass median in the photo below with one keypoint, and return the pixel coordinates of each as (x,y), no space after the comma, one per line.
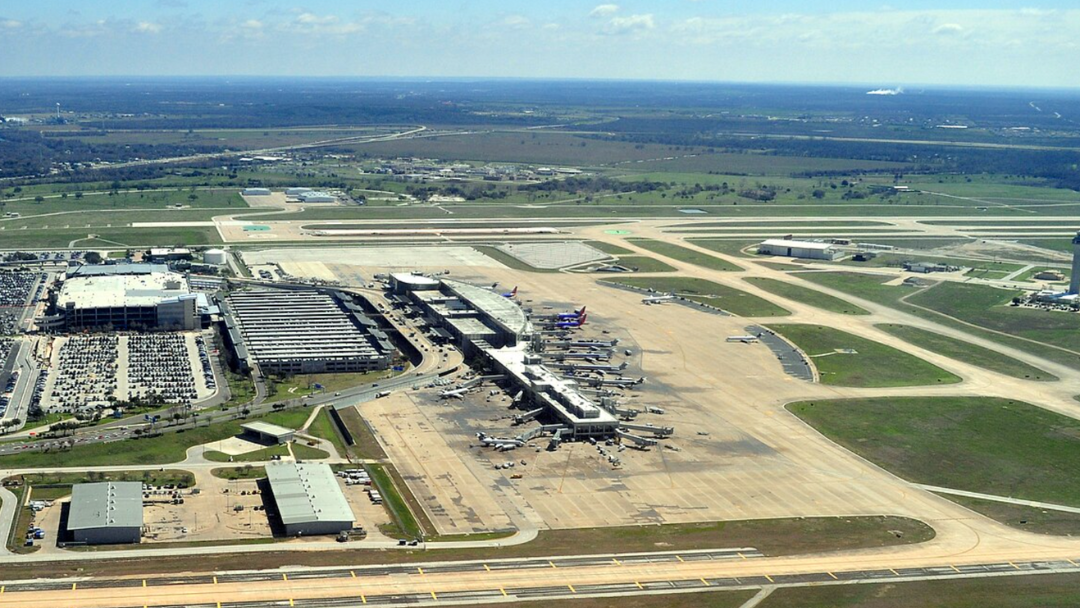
(734,301)
(844,359)
(988,445)
(805,295)
(685,254)
(966,352)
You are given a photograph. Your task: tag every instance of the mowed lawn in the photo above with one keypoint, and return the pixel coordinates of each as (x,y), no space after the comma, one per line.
(995,446)
(734,301)
(684,254)
(805,295)
(843,359)
(966,352)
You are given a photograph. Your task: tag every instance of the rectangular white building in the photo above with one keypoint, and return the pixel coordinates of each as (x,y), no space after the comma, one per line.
(798,249)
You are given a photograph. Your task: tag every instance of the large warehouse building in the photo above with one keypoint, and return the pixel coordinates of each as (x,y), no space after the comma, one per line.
(106,513)
(302,332)
(799,249)
(308,498)
(125,296)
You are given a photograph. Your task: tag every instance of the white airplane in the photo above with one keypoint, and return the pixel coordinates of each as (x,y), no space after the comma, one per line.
(659,299)
(498,442)
(458,393)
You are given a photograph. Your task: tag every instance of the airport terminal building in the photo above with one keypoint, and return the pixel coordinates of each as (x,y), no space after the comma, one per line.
(125,296)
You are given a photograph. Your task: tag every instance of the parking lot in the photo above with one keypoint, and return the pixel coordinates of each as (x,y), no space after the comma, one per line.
(88,372)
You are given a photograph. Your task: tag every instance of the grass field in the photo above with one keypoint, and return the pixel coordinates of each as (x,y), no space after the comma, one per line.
(706,292)
(729,246)
(871,365)
(262,455)
(323,427)
(404,522)
(609,248)
(806,296)
(117,237)
(641,263)
(1042,591)
(966,352)
(304,384)
(979,444)
(684,254)
(169,447)
(244,472)
(991,308)
(365,444)
(771,536)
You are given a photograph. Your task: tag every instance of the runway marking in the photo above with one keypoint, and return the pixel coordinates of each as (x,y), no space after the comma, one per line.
(352,573)
(638,585)
(894,572)
(487,567)
(706,583)
(291,602)
(769,578)
(363,600)
(420,570)
(553,564)
(954,567)
(740,555)
(679,558)
(1014,565)
(73,586)
(215,580)
(284,576)
(572,590)
(144,582)
(832,575)
(433,596)
(617,562)
(503,591)
(1066,559)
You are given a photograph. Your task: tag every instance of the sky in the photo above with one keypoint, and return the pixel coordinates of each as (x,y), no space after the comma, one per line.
(996,43)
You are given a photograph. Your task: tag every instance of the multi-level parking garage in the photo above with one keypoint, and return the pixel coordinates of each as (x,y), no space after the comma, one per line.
(302,332)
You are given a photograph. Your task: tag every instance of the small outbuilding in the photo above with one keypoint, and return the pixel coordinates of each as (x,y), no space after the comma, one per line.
(106,513)
(264,432)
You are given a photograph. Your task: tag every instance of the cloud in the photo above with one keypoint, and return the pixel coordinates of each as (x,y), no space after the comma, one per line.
(948,29)
(604,10)
(896,91)
(629,25)
(516,22)
(10,24)
(147,27)
(252,24)
(313,19)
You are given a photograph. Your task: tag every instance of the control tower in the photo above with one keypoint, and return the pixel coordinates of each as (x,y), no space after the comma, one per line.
(1074,279)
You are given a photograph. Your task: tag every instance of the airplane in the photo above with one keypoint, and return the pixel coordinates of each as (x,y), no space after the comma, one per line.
(577,314)
(498,443)
(513,293)
(659,299)
(454,394)
(577,367)
(570,324)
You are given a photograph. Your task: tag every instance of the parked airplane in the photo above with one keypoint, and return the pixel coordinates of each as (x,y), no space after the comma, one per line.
(569,324)
(498,442)
(513,292)
(577,314)
(454,394)
(659,299)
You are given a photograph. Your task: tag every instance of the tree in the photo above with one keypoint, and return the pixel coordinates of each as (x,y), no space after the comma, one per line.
(39,199)
(92,257)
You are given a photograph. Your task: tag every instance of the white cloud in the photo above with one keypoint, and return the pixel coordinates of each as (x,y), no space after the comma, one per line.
(252,24)
(10,24)
(604,10)
(631,24)
(313,19)
(516,22)
(948,29)
(147,27)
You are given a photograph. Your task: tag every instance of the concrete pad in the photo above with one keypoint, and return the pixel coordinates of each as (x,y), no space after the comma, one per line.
(387,258)
(554,255)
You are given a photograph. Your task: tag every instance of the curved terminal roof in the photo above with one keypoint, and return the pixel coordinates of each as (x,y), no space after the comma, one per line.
(502,311)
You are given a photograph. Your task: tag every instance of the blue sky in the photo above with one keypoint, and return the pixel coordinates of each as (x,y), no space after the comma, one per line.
(958,42)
